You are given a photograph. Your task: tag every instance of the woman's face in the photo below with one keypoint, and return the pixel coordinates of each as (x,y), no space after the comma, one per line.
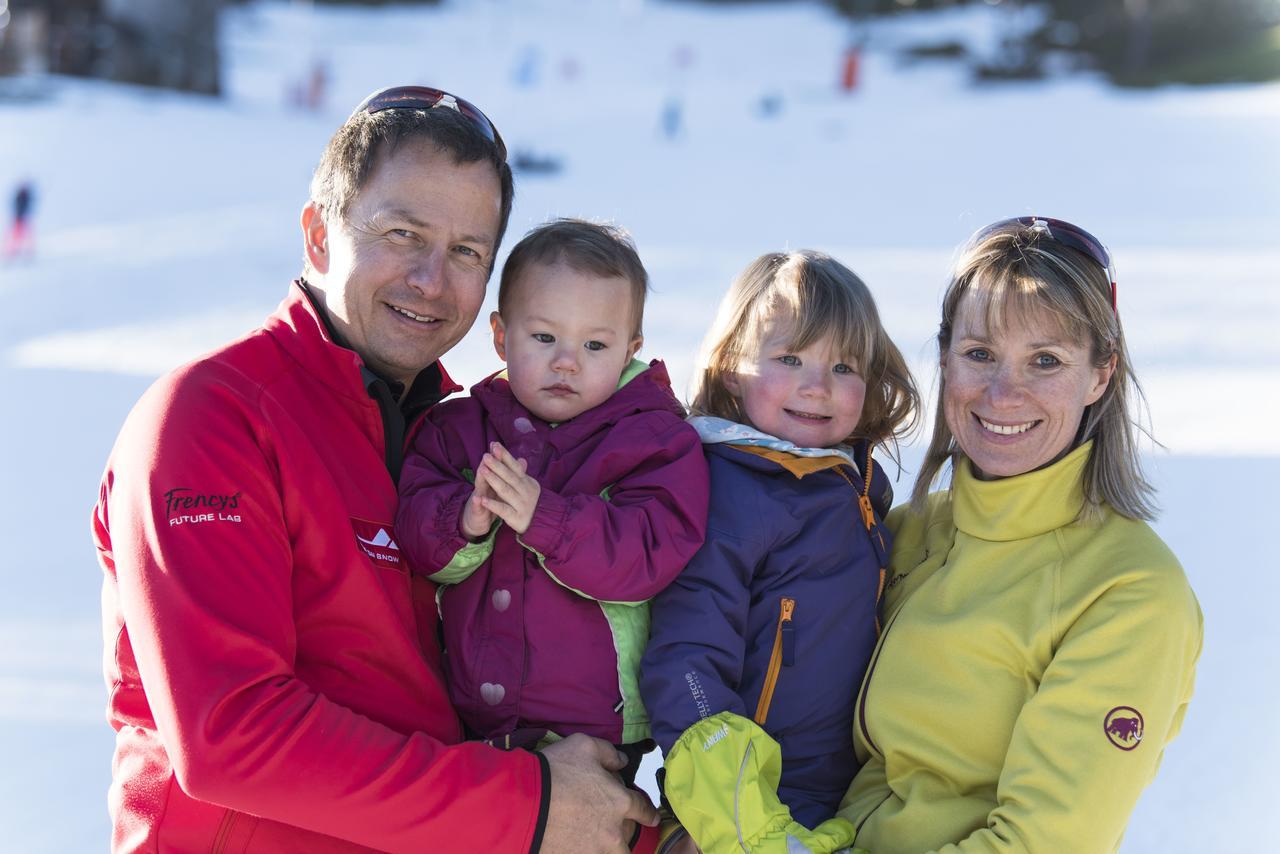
(1014,398)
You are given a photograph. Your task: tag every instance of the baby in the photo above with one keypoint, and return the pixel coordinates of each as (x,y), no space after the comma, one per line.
(556,500)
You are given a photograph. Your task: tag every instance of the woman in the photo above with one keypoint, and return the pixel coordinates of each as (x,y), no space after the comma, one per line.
(1039,640)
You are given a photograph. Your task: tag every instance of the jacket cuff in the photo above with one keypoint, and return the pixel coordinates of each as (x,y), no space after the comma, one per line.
(546,529)
(466,560)
(544,804)
(446,527)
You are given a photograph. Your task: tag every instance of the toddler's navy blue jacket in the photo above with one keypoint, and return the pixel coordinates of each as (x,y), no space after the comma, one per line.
(781,527)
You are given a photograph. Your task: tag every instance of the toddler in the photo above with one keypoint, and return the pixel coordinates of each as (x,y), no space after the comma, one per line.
(760,645)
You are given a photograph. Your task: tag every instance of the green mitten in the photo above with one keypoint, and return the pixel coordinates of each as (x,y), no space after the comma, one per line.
(722,781)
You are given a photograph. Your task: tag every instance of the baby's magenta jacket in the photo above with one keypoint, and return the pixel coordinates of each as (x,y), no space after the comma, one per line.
(545,630)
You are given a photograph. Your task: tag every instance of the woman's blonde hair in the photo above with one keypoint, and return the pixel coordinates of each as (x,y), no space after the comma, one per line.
(816,296)
(1014,269)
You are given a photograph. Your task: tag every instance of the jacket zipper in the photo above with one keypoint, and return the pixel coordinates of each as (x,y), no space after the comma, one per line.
(224,831)
(866,689)
(788,607)
(868,514)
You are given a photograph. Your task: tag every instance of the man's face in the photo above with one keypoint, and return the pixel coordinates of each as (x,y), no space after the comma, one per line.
(404,274)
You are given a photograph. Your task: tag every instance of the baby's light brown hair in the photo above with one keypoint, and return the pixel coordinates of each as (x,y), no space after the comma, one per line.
(588,247)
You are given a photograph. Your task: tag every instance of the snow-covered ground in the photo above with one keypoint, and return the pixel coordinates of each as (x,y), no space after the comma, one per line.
(168,224)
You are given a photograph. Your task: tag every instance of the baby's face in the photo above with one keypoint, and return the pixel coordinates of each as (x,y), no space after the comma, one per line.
(566,340)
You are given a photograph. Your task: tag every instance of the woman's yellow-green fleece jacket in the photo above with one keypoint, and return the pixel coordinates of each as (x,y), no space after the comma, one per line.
(1031,671)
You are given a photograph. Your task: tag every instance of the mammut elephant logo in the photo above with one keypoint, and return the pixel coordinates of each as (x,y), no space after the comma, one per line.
(1123,726)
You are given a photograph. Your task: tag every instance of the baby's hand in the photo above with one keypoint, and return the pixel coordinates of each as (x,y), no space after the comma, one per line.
(476,518)
(513,494)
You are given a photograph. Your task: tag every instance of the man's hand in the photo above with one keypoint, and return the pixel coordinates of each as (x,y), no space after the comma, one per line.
(476,519)
(513,494)
(591,811)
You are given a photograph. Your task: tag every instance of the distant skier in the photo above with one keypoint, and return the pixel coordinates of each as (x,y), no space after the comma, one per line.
(570,68)
(769,105)
(526,71)
(672,117)
(850,65)
(317,86)
(21,240)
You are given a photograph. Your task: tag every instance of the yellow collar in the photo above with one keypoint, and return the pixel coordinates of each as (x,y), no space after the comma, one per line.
(1022,506)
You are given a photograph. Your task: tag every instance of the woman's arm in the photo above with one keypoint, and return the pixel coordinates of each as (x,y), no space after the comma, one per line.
(1092,736)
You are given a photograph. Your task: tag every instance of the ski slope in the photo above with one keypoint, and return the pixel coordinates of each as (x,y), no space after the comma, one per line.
(168,224)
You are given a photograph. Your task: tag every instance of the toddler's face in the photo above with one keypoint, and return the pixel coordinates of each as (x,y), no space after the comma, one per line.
(567,340)
(809,397)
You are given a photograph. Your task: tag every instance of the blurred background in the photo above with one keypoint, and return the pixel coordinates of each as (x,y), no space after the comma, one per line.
(154,157)
(1132,42)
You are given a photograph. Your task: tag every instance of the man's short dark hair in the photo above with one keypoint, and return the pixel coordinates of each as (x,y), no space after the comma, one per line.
(357,147)
(588,247)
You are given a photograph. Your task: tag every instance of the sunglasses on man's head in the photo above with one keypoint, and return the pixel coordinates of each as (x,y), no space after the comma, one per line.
(427,98)
(1063,232)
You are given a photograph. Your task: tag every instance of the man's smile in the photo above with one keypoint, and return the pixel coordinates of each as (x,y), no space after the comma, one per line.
(404,312)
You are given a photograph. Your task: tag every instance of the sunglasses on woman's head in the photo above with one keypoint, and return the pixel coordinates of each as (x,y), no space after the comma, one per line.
(1062,232)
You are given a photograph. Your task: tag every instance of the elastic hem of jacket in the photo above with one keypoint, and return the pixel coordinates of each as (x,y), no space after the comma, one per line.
(544,804)
(466,560)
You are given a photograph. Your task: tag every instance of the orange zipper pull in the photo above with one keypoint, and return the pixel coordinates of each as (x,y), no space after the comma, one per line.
(868,513)
(775,660)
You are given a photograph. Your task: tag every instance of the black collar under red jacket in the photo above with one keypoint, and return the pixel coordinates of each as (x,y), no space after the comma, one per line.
(401,408)
(272,684)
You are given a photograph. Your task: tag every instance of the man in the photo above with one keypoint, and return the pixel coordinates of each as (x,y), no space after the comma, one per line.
(274,673)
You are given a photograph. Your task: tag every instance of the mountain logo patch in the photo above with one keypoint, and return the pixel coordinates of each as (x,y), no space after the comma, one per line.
(375,540)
